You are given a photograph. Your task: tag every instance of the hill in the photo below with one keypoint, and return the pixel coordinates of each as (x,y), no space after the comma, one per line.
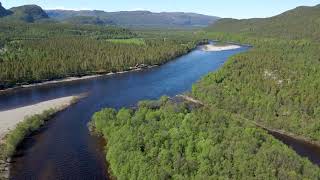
(26,13)
(139,18)
(29,13)
(276,83)
(3,11)
(87,20)
(294,24)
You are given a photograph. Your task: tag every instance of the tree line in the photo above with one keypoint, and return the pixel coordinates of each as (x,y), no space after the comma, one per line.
(39,52)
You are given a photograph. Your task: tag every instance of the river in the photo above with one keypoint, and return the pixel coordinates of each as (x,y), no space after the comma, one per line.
(63,148)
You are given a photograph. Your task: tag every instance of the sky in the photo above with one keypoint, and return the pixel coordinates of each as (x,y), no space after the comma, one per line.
(223,8)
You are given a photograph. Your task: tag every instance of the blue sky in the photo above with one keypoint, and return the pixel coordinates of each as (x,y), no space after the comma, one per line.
(222,8)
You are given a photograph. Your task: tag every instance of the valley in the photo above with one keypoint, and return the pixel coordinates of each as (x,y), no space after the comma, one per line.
(254,81)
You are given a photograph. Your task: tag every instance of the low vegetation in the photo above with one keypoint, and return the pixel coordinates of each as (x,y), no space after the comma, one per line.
(23,129)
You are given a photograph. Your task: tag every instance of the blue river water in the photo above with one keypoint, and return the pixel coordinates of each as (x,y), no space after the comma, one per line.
(63,148)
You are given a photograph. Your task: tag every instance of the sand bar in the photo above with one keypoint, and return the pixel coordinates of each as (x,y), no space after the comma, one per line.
(10,118)
(213,48)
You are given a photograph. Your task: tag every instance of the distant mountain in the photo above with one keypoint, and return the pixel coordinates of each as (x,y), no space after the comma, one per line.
(87,20)
(29,13)
(26,13)
(300,22)
(138,18)
(3,11)
(34,13)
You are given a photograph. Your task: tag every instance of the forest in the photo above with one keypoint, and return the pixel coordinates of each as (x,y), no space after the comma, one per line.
(166,140)
(39,52)
(274,84)
(299,23)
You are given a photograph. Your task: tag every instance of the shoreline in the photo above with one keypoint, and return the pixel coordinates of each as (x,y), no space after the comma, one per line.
(138,67)
(25,118)
(10,118)
(217,48)
(73,78)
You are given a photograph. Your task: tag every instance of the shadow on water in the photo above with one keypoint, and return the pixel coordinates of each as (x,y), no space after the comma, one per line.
(30,141)
(303,148)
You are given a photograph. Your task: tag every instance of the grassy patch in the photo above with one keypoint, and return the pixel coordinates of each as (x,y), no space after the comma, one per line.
(136,41)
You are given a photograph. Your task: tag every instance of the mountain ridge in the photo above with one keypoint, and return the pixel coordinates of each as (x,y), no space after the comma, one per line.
(34,13)
(303,21)
(139,17)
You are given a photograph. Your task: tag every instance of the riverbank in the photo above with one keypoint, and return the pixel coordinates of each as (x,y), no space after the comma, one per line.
(10,118)
(92,75)
(71,79)
(16,124)
(215,48)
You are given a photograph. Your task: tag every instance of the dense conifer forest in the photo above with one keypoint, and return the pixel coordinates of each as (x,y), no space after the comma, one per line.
(44,51)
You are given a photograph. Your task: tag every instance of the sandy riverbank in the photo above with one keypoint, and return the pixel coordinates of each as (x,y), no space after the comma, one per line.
(10,118)
(213,48)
